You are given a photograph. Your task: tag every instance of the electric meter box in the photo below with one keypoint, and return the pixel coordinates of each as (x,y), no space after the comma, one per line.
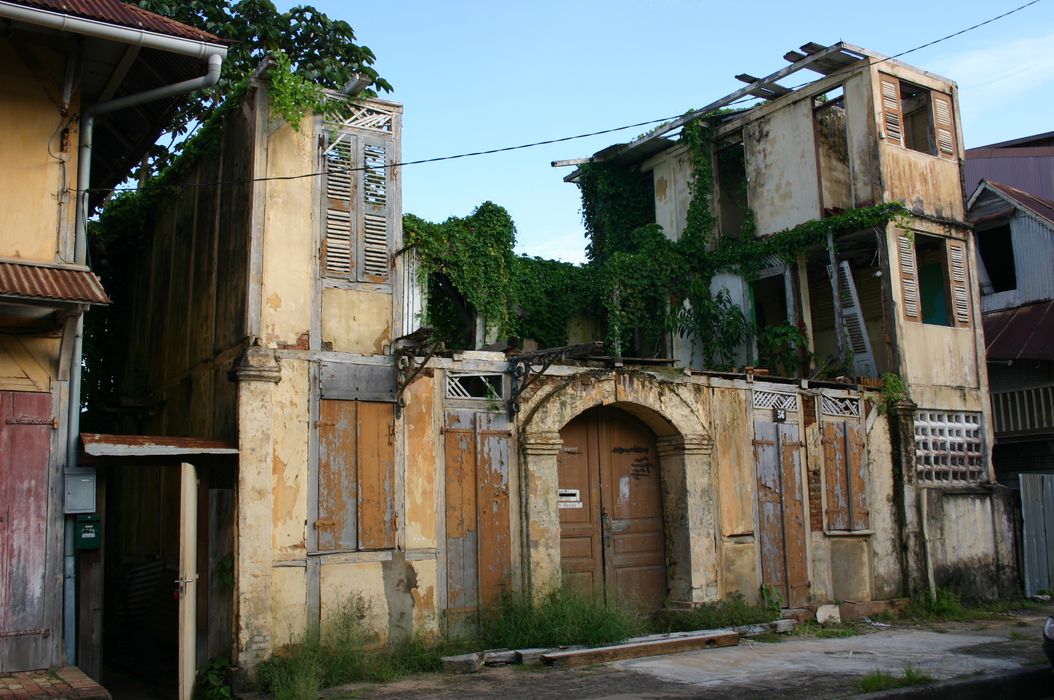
(80,491)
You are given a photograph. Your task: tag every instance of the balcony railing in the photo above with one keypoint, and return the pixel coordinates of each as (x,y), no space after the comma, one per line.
(1018,412)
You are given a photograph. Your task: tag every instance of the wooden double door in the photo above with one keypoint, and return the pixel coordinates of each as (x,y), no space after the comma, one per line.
(612,540)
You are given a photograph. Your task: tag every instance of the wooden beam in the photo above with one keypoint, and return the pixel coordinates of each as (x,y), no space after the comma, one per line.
(633,650)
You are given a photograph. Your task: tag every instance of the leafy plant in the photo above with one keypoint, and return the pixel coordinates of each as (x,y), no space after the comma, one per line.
(784,346)
(733,611)
(881,680)
(893,391)
(211,682)
(771,599)
(562,617)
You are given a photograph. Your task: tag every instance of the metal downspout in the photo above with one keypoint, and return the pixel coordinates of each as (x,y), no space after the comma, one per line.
(210,78)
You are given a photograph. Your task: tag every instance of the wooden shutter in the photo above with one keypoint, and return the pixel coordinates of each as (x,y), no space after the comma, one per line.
(376,218)
(909,281)
(853,316)
(478,524)
(340,191)
(845,476)
(356,475)
(960,289)
(892,111)
(943,124)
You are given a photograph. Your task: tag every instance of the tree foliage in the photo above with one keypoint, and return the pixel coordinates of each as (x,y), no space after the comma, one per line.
(321,50)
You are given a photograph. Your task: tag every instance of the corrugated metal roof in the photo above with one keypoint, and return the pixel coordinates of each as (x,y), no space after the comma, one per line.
(100,445)
(1028,169)
(29,281)
(1024,333)
(1043,208)
(122,14)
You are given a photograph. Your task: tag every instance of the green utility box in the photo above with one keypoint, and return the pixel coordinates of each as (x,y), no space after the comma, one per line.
(88,531)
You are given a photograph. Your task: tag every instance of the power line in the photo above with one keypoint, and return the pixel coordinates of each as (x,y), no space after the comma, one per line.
(548,141)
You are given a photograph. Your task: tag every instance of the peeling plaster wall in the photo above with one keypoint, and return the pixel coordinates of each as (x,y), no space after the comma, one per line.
(356,321)
(885,542)
(967,531)
(290,443)
(290,215)
(671,178)
(781,168)
(419,419)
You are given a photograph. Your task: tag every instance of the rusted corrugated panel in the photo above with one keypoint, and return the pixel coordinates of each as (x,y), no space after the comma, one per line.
(122,14)
(1026,332)
(99,445)
(1027,169)
(29,281)
(1043,208)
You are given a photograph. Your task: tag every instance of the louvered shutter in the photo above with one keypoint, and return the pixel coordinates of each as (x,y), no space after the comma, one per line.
(909,281)
(960,289)
(376,218)
(341,185)
(943,125)
(892,112)
(855,327)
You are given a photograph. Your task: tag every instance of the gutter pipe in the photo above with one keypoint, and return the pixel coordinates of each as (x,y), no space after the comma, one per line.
(215,55)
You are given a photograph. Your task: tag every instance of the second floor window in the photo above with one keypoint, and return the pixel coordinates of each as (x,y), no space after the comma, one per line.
(917,118)
(934,280)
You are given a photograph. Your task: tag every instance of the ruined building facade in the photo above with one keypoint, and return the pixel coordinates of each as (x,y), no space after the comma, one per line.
(369,468)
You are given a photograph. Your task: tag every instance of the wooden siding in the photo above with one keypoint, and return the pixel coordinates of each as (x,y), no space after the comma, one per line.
(845,475)
(25,447)
(781,513)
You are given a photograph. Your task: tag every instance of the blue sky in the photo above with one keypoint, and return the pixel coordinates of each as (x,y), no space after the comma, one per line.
(480,75)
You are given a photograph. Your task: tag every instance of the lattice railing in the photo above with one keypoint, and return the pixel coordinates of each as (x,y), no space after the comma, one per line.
(949,447)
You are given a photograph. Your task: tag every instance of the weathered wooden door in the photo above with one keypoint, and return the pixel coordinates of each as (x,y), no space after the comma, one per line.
(25,448)
(781,511)
(478,523)
(611,525)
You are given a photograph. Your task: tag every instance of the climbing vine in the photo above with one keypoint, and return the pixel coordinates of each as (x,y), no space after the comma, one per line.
(643,285)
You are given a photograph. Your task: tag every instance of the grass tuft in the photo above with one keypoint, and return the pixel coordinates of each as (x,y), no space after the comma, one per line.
(562,617)
(733,611)
(880,680)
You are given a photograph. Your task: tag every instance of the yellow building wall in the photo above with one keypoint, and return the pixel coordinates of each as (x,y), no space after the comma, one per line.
(289,238)
(36,169)
(356,321)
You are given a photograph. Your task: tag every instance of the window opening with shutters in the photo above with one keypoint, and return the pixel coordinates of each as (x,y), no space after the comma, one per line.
(357,201)
(934,280)
(917,118)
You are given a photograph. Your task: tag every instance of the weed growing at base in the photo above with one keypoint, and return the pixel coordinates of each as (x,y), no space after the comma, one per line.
(880,680)
(946,604)
(560,618)
(730,612)
(344,649)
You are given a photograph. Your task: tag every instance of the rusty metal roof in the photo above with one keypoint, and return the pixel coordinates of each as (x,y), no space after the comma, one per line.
(1043,208)
(42,282)
(100,445)
(1023,333)
(122,14)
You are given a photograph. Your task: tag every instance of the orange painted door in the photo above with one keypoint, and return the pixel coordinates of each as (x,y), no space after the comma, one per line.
(611,524)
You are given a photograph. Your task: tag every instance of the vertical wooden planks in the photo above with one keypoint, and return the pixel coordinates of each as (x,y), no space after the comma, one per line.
(25,448)
(338,497)
(860,517)
(461,533)
(837,475)
(770,517)
(493,434)
(376,462)
(793,515)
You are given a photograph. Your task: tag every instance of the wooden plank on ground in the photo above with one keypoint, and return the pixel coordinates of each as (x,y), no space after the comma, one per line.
(620,652)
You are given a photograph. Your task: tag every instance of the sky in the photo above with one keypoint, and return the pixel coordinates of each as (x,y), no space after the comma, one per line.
(480,75)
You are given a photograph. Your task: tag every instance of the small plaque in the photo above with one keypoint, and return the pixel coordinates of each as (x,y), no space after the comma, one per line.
(779,415)
(569,498)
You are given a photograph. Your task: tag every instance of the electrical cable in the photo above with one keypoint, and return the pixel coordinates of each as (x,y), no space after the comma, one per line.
(547,141)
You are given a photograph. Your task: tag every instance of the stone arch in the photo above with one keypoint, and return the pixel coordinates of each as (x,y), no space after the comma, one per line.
(674,412)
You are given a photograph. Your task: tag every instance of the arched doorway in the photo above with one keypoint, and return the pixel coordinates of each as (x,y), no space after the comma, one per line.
(612,541)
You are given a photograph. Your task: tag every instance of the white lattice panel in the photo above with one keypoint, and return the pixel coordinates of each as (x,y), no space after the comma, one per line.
(840,406)
(775,399)
(949,448)
(359,116)
(474,385)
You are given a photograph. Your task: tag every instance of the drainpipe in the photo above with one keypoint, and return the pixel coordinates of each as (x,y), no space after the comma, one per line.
(87,125)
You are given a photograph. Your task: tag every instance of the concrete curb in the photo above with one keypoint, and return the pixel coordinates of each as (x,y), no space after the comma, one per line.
(1021,684)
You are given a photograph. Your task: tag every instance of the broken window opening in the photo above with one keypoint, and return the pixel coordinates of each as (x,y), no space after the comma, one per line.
(449,311)
(934,280)
(779,341)
(832,150)
(732,203)
(995,246)
(475,386)
(917,118)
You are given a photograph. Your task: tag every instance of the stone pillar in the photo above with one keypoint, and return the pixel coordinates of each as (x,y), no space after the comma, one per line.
(541,510)
(690,518)
(257,372)
(907,500)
